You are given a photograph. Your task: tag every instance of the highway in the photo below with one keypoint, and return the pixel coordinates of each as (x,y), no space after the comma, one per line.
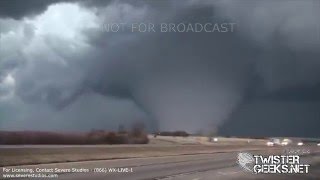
(179,167)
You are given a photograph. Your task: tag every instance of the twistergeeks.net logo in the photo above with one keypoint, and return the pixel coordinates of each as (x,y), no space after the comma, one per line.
(246,161)
(272,164)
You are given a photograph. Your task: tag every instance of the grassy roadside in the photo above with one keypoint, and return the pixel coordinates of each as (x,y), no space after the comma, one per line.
(55,154)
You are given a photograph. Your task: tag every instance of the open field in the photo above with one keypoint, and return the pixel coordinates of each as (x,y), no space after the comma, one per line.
(218,162)
(135,136)
(53,154)
(206,140)
(175,158)
(160,146)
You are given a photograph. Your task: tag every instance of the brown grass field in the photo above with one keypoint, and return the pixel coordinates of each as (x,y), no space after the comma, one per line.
(30,147)
(55,138)
(20,155)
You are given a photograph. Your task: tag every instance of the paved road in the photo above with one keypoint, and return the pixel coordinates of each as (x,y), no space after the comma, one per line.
(192,167)
(183,167)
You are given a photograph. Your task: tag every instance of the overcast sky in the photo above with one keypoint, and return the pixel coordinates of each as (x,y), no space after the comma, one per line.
(60,68)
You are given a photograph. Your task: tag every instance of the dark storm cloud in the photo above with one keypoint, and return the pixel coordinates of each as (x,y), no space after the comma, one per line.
(18,9)
(54,68)
(188,81)
(262,64)
(158,70)
(283,97)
